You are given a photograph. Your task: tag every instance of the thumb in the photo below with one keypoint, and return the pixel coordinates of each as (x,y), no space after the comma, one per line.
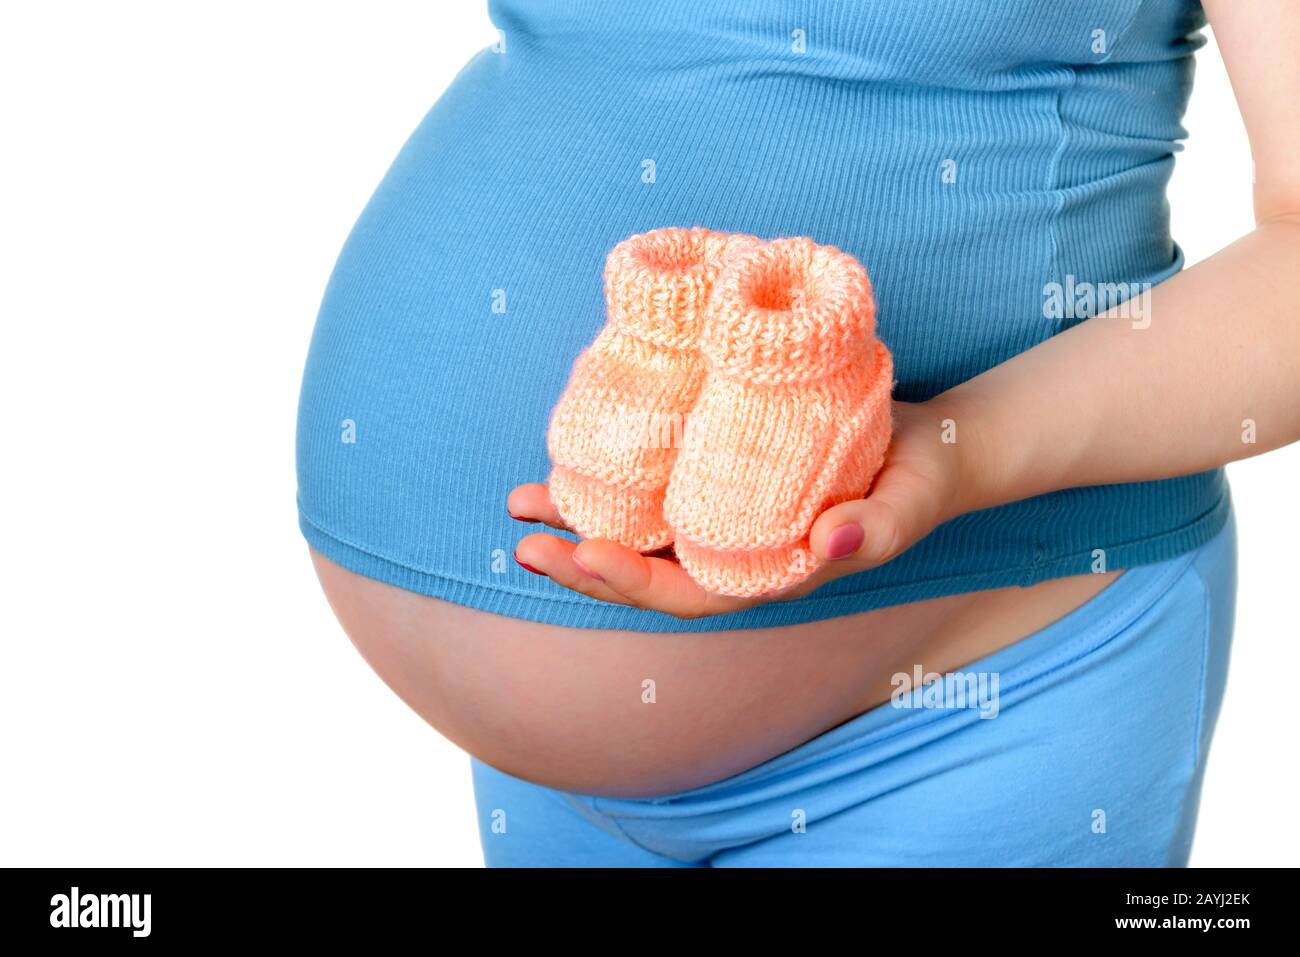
(871,531)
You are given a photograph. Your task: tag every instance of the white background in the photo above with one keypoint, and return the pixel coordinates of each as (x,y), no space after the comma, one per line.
(176,182)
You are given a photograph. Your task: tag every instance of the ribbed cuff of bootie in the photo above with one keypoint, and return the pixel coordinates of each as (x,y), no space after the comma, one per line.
(657,283)
(790,311)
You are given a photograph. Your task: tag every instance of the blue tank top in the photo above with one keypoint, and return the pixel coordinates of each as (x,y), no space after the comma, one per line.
(998,166)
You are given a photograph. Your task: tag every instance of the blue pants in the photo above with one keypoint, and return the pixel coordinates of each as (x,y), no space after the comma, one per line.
(1081,745)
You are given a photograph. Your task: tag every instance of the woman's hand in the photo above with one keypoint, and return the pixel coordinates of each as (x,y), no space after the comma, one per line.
(922,484)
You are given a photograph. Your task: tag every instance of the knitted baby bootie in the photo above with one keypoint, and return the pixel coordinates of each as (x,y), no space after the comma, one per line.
(794,416)
(614,434)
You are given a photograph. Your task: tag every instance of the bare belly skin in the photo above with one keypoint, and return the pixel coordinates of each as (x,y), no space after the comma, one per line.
(566,707)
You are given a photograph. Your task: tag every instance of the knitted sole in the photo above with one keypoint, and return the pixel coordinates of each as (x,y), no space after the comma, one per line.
(596,509)
(752,572)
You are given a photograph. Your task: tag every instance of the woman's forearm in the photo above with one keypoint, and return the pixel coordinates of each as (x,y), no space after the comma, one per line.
(1209,374)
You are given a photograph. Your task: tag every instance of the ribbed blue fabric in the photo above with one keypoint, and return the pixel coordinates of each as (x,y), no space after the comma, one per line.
(972,155)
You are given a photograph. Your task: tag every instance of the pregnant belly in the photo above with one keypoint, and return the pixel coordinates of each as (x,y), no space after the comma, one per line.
(640,714)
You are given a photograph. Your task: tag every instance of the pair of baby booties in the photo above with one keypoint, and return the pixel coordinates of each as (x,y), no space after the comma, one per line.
(736,391)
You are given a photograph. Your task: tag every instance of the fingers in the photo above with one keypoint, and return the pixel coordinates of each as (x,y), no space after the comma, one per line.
(532,503)
(868,532)
(553,557)
(658,584)
(606,570)
(614,573)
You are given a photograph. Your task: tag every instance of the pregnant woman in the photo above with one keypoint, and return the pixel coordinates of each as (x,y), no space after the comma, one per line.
(1016,645)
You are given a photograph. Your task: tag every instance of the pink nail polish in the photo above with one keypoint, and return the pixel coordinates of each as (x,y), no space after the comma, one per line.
(585,570)
(844,541)
(527,566)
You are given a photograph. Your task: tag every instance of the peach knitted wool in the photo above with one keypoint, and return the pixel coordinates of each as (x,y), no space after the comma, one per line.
(793,417)
(614,434)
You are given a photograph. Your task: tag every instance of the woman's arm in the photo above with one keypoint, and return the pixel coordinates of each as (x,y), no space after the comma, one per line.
(1208,374)
(1214,377)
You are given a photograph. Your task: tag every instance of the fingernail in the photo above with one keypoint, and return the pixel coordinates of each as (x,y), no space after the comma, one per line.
(527,566)
(844,541)
(518,518)
(585,570)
